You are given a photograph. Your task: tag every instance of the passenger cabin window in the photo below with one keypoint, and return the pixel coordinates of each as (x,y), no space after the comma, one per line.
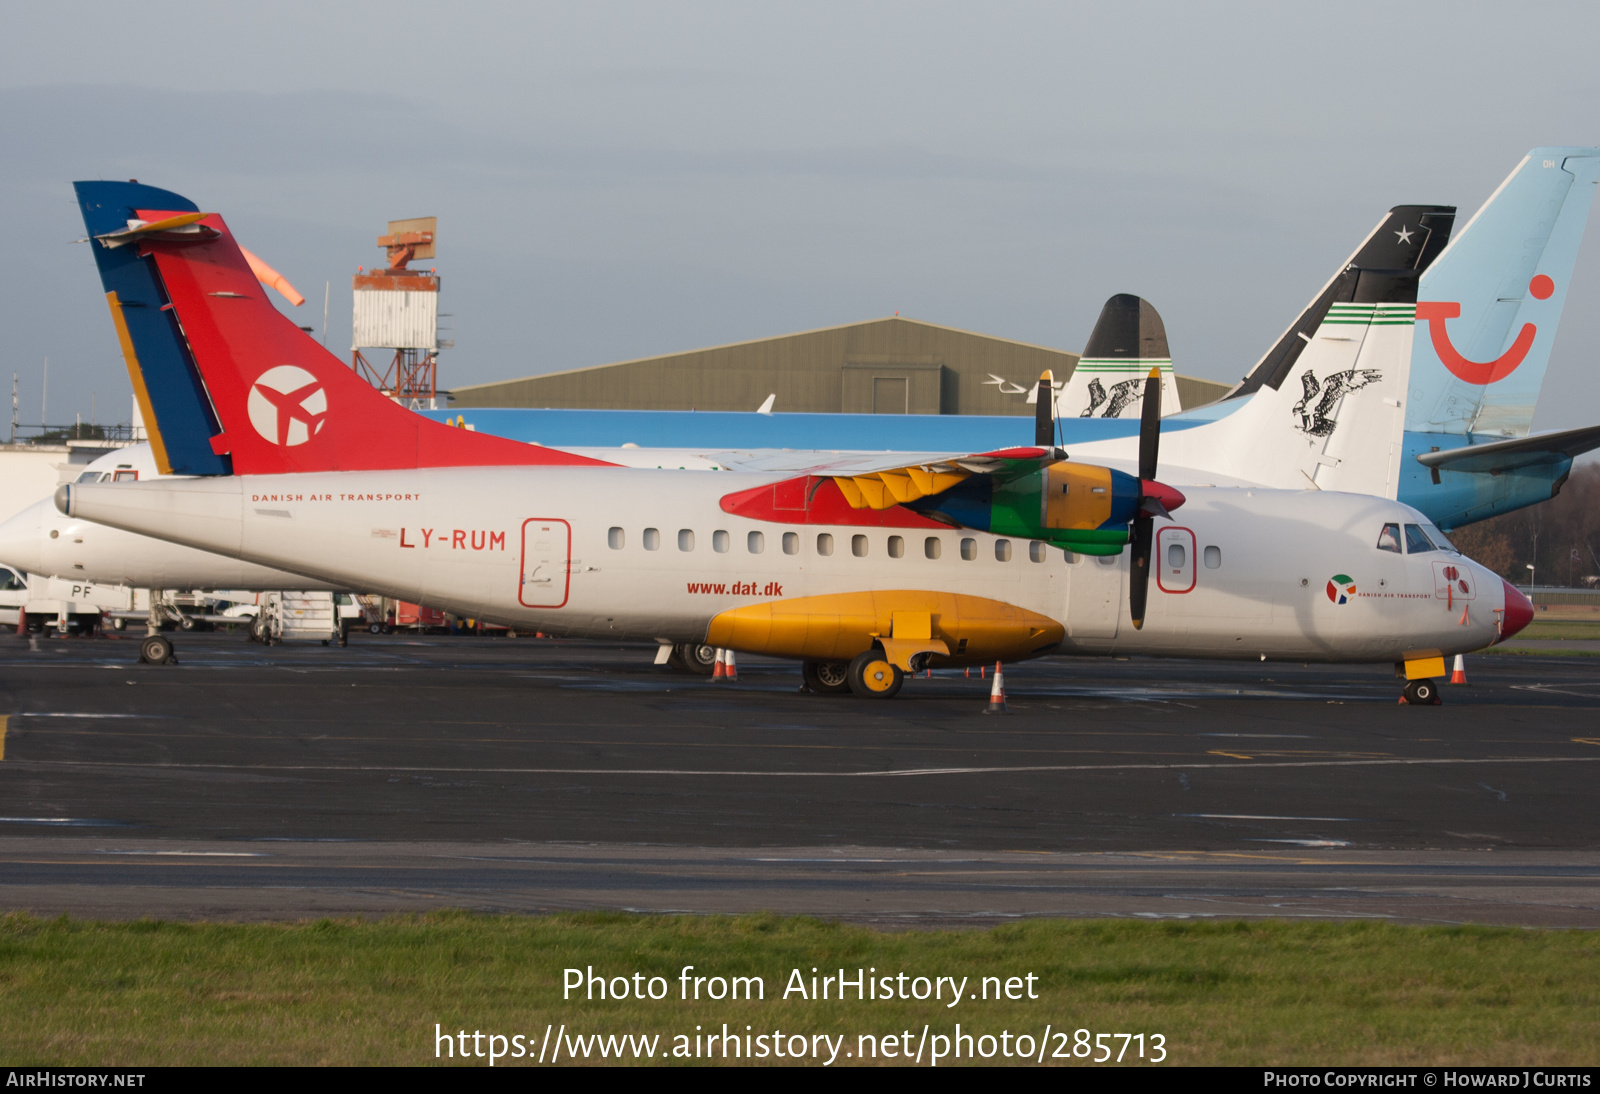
(755,542)
(858,546)
(1389,538)
(1417,540)
(791,543)
(1213,557)
(652,539)
(1036,551)
(824,544)
(1002,550)
(719,542)
(933,547)
(1177,556)
(685,539)
(969,549)
(897,547)
(616,538)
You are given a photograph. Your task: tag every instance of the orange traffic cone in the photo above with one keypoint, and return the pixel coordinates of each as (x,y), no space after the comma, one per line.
(720,671)
(997,694)
(732,670)
(1459,675)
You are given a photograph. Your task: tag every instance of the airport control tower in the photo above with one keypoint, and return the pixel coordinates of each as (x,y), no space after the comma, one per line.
(398,309)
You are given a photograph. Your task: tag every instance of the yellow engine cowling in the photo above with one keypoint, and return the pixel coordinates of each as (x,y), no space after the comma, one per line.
(954,628)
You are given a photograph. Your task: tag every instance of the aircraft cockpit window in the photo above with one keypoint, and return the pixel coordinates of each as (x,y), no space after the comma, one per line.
(1389,538)
(755,543)
(1417,542)
(685,539)
(719,542)
(1036,551)
(652,539)
(91,476)
(616,539)
(125,476)
(1439,539)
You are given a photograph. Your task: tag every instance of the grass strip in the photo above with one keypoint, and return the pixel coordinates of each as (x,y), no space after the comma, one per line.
(370,992)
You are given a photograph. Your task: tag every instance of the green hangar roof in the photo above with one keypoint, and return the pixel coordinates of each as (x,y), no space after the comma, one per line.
(885,366)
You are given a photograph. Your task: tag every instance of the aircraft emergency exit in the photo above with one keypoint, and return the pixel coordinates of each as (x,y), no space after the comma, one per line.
(863,569)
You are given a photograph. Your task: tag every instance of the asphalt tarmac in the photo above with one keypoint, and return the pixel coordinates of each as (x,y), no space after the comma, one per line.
(527,775)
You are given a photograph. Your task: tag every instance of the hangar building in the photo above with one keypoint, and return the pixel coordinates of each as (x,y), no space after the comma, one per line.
(883,366)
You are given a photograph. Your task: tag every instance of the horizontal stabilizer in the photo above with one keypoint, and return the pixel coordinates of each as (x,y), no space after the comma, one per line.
(1518,452)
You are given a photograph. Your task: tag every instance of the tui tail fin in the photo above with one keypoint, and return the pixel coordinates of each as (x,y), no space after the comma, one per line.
(1489,306)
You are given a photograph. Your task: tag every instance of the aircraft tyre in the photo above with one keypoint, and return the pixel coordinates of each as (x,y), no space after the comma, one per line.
(698,657)
(374,628)
(185,623)
(119,624)
(827,677)
(1423,693)
(155,650)
(873,676)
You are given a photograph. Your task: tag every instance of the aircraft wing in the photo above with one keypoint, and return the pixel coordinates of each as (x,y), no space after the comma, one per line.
(1514,453)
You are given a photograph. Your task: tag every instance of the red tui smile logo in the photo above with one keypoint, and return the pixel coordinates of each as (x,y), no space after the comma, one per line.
(1434,313)
(287,405)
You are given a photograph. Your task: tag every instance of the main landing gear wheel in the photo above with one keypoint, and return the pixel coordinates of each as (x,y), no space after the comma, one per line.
(827,677)
(156,650)
(874,676)
(698,658)
(1423,693)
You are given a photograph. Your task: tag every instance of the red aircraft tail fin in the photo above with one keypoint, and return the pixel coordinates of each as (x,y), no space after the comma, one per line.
(284,403)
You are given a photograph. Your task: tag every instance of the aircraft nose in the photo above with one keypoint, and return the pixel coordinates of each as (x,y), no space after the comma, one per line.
(19,541)
(1518,613)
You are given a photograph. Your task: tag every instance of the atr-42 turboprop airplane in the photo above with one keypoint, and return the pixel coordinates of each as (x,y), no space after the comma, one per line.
(863,572)
(1303,417)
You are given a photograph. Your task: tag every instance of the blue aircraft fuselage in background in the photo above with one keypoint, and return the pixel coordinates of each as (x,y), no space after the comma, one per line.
(1458,498)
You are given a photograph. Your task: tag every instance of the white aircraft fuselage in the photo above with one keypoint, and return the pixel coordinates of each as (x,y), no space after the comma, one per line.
(1241,573)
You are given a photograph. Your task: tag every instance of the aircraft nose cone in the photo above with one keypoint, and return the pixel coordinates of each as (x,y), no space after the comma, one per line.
(19,541)
(1518,613)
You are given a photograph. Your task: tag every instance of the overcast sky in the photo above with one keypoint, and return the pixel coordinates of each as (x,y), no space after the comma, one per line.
(621,180)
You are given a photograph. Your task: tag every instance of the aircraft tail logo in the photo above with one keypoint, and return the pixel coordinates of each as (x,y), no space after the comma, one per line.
(1318,420)
(288,405)
(1436,312)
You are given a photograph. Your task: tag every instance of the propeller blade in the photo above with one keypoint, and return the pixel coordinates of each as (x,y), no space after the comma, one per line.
(1144,532)
(1044,414)
(1150,425)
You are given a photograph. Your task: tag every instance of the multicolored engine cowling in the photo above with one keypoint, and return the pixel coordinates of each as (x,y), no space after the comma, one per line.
(1029,493)
(1082,508)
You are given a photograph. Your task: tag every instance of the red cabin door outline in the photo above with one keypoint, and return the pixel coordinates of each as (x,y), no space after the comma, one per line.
(545,574)
(1179,578)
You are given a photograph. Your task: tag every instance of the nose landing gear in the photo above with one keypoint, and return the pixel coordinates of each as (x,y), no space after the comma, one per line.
(1422,693)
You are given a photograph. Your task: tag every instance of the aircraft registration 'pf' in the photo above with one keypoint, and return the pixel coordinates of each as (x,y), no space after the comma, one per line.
(863,571)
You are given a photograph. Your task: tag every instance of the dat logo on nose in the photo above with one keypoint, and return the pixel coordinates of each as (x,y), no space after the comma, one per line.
(288,405)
